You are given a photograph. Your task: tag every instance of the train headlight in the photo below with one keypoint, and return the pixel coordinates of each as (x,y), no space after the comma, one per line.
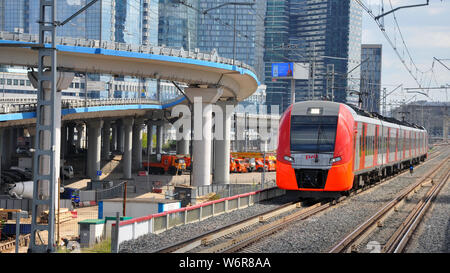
(288,158)
(335,159)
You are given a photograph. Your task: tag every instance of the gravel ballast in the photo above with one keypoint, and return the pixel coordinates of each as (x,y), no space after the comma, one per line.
(316,234)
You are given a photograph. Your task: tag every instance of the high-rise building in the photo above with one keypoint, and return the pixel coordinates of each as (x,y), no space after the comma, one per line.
(178,24)
(234,31)
(124,21)
(14,16)
(326,34)
(371,77)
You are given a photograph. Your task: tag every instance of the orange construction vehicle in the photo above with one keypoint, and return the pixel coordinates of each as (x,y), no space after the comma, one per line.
(233,168)
(170,164)
(260,165)
(240,165)
(272,166)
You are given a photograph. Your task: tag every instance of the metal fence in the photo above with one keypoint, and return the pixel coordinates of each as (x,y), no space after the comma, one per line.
(227,190)
(113,192)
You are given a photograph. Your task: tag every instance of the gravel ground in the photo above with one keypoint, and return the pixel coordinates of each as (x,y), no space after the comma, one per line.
(321,232)
(315,234)
(433,233)
(152,242)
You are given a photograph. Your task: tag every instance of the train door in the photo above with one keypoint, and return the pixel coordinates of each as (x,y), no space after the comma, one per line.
(357,147)
(369,145)
(388,144)
(398,153)
(362,144)
(376,146)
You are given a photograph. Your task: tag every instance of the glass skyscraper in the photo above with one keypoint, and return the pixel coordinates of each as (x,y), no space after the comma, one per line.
(124,21)
(371,77)
(326,34)
(178,24)
(218,30)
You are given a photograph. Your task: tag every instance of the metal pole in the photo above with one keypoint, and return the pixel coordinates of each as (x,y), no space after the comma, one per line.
(45,167)
(264,170)
(234,35)
(125,199)
(18,214)
(313,70)
(59,205)
(115,245)
(332,82)
(292,91)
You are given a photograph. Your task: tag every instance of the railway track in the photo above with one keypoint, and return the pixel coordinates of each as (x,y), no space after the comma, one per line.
(206,238)
(240,236)
(398,240)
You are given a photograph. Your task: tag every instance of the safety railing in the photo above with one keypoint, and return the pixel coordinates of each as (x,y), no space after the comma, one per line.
(160,222)
(149,49)
(16,105)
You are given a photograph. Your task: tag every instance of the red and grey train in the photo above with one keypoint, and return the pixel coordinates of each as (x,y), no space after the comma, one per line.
(326,149)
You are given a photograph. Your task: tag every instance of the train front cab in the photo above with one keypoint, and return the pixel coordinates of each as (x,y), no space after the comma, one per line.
(315,148)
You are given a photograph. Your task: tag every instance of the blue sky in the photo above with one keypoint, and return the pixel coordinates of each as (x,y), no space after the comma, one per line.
(426,31)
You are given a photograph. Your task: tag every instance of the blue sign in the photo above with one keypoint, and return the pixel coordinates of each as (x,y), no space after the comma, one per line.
(99,173)
(282,69)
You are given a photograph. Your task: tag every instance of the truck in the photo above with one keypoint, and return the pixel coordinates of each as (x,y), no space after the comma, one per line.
(171,164)
(241,167)
(24,189)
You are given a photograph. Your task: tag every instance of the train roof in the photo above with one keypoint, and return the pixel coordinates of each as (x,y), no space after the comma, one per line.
(375,115)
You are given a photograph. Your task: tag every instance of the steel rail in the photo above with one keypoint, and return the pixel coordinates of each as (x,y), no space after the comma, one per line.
(345,243)
(400,238)
(241,241)
(205,238)
(246,239)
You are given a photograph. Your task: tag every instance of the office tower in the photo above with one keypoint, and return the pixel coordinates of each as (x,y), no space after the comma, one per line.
(371,77)
(235,31)
(326,34)
(124,21)
(178,24)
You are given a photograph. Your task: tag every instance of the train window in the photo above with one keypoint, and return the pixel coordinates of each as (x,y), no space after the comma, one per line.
(313,134)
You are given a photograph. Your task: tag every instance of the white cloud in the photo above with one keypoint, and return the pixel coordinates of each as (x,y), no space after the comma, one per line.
(428,37)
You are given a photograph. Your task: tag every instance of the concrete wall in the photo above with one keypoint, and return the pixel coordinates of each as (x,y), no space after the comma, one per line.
(140,208)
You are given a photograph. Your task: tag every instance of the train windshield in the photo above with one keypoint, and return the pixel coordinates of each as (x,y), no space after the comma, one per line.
(313,134)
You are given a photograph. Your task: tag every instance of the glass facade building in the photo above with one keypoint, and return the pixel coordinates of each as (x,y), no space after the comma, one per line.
(14,16)
(371,77)
(218,30)
(124,21)
(326,34)
(178,24)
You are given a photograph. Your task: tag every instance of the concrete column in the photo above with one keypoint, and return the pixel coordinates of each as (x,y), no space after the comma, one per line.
(7,148)
(137,143)
(106,143)
(183,147)
(70,138)
(159,137)
(150,133)
(203,99)
(64,146)
(80,130)
(183,143)
(128,135)
(114,137)
(222,147)
(120,135)
(94,147)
